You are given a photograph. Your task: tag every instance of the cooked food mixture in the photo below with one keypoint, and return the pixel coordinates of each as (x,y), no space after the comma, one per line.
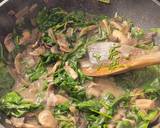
(54,67)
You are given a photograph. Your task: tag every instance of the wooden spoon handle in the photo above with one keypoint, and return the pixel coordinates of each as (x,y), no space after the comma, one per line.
(140,62)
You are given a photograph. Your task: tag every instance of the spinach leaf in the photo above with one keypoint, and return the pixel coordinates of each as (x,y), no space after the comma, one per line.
(50,18)
(67,83)
(146,46)
(92,109)
(40,68)
(97,122)
(123,124)
(105,1)
(144,124)
(149,116)
(37,72)
(50,58)
(89,105)
(61,113)
(61,109)
(46,39)
(12,104)
(77,19)
(114,58)
(6,80)
(58,19)
(137,33)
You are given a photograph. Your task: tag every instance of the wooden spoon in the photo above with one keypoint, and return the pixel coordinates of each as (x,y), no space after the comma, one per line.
(140,62)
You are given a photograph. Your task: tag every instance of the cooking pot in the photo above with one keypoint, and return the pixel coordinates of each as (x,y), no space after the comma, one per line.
(144,13)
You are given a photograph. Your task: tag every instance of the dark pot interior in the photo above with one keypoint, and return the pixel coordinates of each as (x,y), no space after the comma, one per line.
(145,13)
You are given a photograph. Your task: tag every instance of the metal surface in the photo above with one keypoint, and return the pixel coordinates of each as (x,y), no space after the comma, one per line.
(144,13)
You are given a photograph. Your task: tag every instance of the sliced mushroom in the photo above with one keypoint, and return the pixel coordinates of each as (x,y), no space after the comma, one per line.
(38,51)
(31,120)
(23,61)
(52,71)
(22,12)
(120,114)
(35,36)
(8,42)
(29,61)
(91,90)
(62,42)
(111,125)
(17,63)
(132,41)
(105,26)
(112,38)
(116,25)
(126,51)
(47,120)
(32,90)
(27,125)
(26,37)
(35,44)
(151,35)
(33,8)
(145,103)
(148,38)
(50,98)
(72,109)
(17,122)
(120,36)
(54,99)
(137,93)
(23,81)
(82,123)
(61,99)
(54,49)
(86,30)
(69,32)
(51,34)
(71,71)
(126,27)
